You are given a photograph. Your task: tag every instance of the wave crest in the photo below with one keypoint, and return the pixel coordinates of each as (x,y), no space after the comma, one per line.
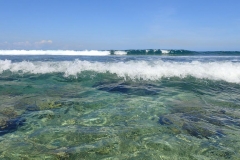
(158,52)
(135,70)
(55,52)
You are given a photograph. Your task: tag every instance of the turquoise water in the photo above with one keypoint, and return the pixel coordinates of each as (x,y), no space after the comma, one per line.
(120,107)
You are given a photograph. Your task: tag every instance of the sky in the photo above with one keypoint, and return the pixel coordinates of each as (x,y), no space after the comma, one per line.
(120,24)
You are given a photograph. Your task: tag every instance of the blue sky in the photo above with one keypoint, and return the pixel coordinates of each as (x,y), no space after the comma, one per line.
(120,24)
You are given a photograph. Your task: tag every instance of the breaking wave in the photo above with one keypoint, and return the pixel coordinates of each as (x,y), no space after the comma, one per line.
(135,70)
(163,52)
(55,52)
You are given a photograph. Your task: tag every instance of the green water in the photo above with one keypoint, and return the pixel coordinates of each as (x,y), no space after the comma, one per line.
(106,117)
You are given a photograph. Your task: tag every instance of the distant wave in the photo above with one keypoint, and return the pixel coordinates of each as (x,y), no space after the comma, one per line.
(181,52)
(120,53)
(135,70)
(159,52)
(55,52)
(162,52)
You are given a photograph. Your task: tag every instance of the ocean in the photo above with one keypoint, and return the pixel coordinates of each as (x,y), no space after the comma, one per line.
(128,104)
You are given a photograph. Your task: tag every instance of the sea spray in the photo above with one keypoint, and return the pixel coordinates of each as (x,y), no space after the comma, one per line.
(135,70)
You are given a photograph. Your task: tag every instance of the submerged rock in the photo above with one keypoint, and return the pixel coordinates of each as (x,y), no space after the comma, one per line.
(11,125)
(8,112)
(164,121)
(194,124)
(197,131)
(33,107)
(127,88)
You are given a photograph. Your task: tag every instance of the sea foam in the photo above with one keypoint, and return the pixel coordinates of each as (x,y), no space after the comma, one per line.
(165,51)
(55,52)
(120,53)
(135,70)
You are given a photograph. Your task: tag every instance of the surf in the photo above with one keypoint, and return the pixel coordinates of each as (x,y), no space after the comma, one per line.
(134,70)
(157,52)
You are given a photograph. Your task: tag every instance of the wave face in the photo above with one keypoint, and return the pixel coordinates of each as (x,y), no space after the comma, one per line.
(159,52)
(181,52)
(134,70)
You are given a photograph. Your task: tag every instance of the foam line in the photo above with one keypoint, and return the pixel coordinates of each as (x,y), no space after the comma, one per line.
(165,51)
(55,52)
(120,53)
(141,70)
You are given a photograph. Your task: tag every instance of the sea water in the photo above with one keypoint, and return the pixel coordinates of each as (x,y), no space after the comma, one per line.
(134,104)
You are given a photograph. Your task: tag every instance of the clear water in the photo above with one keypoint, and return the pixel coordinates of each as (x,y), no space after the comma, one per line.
(120,107)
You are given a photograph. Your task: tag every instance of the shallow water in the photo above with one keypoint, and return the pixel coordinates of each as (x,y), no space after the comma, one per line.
(97,111)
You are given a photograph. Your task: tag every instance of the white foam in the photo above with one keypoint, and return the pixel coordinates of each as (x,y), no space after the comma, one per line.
(120,52)
(165,51)
(141,70)
(55,52)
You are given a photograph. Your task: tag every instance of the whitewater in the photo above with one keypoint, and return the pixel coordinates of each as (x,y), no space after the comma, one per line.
(119,104)
(135,70)
(163,52)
